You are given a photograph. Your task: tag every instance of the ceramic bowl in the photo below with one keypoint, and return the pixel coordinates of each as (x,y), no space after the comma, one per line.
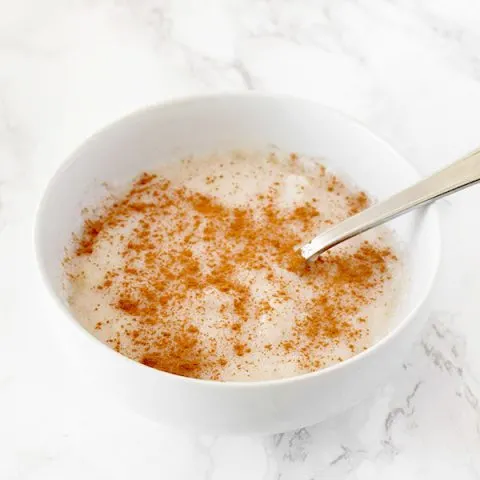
(168,132)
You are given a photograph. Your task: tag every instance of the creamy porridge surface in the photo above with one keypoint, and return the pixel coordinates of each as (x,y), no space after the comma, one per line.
(192,269)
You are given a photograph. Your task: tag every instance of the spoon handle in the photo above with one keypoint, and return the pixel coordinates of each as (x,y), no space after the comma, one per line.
(460,174)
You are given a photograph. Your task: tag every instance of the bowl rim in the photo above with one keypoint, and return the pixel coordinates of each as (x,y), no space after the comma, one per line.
(72,157)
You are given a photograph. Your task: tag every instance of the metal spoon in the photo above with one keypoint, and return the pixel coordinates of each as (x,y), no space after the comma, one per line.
(460,174)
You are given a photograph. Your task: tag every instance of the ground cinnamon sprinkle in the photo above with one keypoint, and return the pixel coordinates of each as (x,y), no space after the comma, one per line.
(183,251)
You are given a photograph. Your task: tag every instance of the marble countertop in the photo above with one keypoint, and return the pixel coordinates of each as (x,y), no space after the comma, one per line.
(409,69)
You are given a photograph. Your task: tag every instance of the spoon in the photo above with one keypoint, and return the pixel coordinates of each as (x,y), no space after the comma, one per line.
(460,174)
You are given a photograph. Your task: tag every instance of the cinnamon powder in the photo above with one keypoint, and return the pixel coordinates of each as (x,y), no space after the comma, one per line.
(178,247)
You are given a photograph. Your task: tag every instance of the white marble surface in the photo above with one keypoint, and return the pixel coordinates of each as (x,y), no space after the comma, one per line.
(410,69)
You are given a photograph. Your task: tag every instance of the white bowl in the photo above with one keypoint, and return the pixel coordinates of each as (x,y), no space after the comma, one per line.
(200,125)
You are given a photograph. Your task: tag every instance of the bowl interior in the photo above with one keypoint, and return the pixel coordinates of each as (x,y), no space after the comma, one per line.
(169,132)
